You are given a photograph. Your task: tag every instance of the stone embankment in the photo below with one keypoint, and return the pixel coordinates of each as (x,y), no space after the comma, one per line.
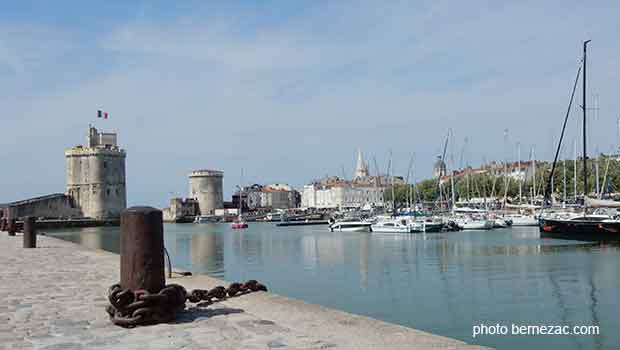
(54,296)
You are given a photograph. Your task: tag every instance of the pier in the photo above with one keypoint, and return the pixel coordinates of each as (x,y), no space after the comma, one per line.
(55,298)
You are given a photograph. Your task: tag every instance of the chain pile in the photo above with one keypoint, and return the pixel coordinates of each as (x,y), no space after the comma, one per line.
(130,308)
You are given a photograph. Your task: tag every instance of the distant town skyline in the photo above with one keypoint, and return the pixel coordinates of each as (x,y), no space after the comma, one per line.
(290,91)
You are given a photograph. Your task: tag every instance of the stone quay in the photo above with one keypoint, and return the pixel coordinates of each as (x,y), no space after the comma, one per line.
(54,297)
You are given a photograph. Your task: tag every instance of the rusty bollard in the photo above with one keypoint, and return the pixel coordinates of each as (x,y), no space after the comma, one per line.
(12,227)
(30,232)
(142,249)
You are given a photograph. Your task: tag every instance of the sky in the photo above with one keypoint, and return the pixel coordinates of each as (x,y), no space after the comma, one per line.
(289,90)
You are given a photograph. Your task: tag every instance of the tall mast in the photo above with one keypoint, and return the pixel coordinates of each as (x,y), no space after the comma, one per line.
(452,168)
(596,166)
(575,168)
(585,154)
(519,167)
(534,189)
(564,171)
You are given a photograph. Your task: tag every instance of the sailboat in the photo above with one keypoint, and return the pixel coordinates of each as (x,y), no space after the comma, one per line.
(583,227)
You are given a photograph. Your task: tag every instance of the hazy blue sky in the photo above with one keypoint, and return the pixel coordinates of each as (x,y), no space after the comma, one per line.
(289,90)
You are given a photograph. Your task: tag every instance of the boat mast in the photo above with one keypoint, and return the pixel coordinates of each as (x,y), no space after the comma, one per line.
(596,166)
(564,180)
(575,168)
(452,167)
(392,178)
(519,167)
(585,168)
(534,189)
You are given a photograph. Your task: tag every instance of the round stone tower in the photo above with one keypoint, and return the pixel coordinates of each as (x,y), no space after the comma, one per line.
(206,187)
(95,176)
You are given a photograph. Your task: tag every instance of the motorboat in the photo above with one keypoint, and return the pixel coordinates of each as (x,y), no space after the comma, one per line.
(500,223)
(392,226)
(204,219)
(471,223)
(350,226)
(239,223)
(523,220)
(432,226)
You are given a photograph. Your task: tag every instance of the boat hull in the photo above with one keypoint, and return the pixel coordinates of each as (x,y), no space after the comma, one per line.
(350,229)
(591,231)
(383,229)
(524,221)
(433,227)
(476,225)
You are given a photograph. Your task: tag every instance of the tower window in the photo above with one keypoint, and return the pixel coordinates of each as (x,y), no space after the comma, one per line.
(105,164)
(108,191)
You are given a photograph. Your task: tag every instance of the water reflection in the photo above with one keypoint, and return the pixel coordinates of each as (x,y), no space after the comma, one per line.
(207,253)
(442,283)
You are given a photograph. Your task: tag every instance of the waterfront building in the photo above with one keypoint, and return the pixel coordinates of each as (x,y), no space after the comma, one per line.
(268,197)
(95,176)
(206,188)
(522,171)
(345,195)
(363,190)
(181,210)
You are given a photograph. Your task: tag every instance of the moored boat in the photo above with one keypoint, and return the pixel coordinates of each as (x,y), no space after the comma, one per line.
(475,223)
(581,227)
(523,220)
(239,223)
(350,226)
(596,228)
(391,226)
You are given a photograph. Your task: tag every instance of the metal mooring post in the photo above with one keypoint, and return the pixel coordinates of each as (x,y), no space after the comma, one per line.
(142,249)
(30,232)
(12,227)
(2,224)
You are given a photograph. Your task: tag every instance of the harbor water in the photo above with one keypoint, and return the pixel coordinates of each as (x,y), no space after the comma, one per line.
(443,283)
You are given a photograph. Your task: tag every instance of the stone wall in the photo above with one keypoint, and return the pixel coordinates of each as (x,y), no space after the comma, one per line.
(56,205)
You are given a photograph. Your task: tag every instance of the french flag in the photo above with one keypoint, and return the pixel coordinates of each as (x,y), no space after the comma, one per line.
(102,114)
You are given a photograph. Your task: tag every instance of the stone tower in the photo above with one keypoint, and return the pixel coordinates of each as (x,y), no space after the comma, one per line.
(361,169)
(95,176)
(205,186)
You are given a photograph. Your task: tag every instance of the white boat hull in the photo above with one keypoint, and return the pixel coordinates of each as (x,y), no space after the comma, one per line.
(391,229)
(350,227)
(476,224)
(524,221)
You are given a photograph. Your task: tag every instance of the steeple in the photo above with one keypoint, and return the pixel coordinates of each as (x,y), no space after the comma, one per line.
(361,169)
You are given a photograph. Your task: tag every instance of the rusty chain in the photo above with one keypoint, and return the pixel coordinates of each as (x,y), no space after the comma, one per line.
(130,308)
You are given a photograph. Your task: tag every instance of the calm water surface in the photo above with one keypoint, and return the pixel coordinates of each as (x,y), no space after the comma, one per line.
(442,283)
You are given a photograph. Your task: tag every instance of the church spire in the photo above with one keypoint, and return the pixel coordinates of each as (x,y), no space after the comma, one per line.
(361,169)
